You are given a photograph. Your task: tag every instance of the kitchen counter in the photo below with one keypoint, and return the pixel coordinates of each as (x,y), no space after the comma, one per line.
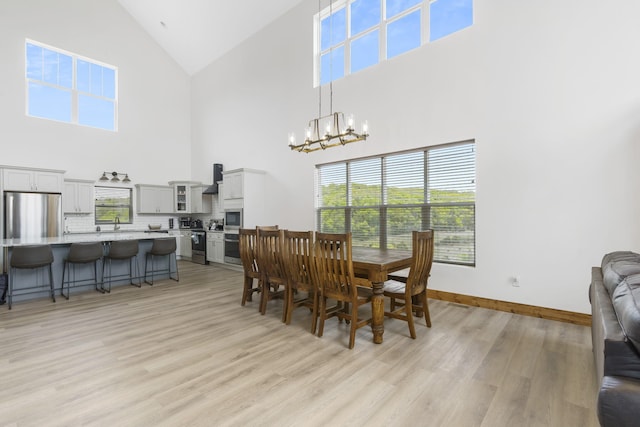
(60,247)
(67,239)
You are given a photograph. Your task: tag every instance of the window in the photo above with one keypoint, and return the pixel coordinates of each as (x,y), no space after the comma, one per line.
(356,34)
(403,34)
(112,203)
(380,200)
(66,87)
(449,16)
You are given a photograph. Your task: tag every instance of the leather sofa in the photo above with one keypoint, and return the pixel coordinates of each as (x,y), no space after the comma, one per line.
(615,330)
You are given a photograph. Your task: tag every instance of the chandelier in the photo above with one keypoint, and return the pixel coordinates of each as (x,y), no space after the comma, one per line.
(330,130)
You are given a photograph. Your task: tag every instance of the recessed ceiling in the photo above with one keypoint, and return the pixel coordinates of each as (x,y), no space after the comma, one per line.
(197,32)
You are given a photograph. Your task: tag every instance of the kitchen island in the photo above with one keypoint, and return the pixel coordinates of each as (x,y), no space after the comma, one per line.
(60,247)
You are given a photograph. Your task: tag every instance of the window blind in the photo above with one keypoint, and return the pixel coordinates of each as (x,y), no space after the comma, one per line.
(381,199)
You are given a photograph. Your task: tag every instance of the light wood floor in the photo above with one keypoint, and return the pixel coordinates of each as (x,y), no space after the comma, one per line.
(187,354)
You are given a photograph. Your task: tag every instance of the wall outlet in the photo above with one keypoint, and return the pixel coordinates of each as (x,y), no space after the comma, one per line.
(515,281)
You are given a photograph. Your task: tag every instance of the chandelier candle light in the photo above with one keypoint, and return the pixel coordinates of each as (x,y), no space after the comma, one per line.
(330,130)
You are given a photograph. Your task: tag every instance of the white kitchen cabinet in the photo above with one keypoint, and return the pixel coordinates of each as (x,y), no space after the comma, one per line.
(178,236)
(200,203)
(182,195)
(37,180)
(185,244)
(215,246)
(245,189)
(233,185)
(154,199)
(220,198)
(78,196)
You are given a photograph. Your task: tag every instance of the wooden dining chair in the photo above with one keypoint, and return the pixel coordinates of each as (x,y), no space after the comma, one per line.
(270,260)
(247,244)
(297,256)
(334,273)
(414,286)
(267,227)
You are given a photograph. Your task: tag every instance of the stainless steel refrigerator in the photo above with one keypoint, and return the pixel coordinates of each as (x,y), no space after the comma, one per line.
(32,215)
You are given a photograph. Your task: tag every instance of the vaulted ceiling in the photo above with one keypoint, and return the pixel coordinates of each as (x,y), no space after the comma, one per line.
(197,32)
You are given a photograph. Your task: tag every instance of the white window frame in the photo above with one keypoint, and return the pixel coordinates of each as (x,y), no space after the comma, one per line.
(423,6)
(75,93)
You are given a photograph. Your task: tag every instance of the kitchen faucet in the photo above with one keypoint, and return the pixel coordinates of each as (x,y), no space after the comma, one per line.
(116,224)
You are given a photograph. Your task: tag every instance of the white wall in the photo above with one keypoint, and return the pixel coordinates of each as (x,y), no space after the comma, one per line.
(549,90)
(153,143)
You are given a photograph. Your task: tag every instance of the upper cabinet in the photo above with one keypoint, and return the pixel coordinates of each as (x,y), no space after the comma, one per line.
(35,180)
(233,185)
(188,197)
(78,196)
(245,188)
(182,195)
(154,199)
(200,203)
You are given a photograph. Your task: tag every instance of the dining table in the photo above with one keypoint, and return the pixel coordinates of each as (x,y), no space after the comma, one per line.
(375,265)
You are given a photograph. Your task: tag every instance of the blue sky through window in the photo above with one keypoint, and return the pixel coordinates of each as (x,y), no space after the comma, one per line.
(332,65)
(403,34)
(365,51)
(95,112)
(333,29)
(51,89)
(357,29)
(394,7)
(364,15)
(48,102)
(449,16)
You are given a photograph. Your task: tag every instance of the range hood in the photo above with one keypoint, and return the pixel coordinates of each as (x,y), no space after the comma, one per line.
(217,176)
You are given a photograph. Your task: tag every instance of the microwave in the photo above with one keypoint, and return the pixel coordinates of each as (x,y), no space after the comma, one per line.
(185,222)
(233,219)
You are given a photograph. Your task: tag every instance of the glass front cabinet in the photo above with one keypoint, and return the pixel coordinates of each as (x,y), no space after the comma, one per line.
(182,196)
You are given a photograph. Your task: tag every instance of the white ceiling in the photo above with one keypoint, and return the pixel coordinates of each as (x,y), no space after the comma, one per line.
(197,32)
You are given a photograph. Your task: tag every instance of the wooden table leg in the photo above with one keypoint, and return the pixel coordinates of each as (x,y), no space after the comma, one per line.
(377,312)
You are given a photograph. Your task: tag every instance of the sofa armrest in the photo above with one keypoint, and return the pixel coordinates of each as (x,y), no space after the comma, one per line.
(613,354)
(619,402)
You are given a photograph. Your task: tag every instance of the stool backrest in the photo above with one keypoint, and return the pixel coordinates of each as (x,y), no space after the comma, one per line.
(31,256)
(123,249)
(85,252)
(163,246)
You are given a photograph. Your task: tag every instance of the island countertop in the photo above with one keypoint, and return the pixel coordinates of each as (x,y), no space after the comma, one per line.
(67,239)
(60,247)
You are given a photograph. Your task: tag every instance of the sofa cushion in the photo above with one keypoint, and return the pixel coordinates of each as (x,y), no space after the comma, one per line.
(626,302)
(616,266)
(619,402)
(619,256)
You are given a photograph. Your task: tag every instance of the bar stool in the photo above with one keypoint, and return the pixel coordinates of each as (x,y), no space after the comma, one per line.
(122,250)
(161,247)
(81,253)
(30,257)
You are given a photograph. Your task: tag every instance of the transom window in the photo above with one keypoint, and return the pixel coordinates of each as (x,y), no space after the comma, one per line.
(380,200)
(112,203)
(66,87)
(356,34)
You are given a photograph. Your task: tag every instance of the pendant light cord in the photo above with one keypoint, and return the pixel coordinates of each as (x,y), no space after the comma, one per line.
(331,57)
(319,62)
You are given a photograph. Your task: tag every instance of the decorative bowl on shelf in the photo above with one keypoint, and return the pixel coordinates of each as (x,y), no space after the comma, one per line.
(154,226)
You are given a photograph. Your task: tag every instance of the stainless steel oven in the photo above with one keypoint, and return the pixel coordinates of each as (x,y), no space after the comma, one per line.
(199,246)
(232,247)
